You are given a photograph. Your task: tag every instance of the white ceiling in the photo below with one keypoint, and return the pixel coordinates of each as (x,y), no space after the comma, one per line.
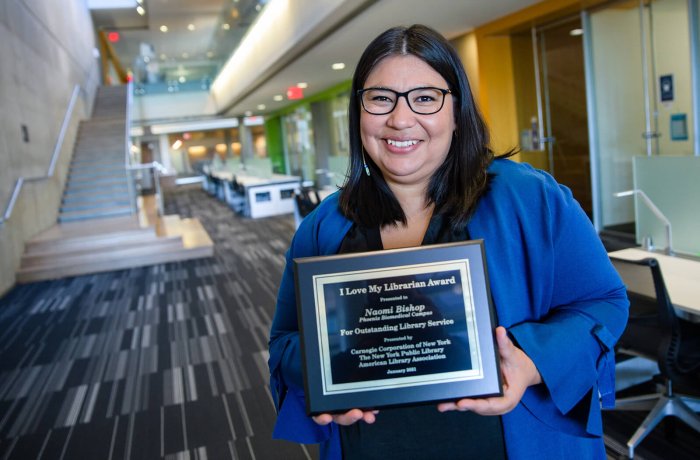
(344,43)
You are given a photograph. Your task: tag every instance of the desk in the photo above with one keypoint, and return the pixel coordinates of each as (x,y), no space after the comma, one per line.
(681,275)
(265,196)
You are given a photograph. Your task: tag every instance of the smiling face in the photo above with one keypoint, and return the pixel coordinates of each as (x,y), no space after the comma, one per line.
(407,147)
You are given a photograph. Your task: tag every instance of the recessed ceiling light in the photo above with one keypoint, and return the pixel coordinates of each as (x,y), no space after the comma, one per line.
(261,106)
(338,66)
(163,29)
(278,97)
(302,85)
(190,27)
(140,10)
(576,32)
(225,26)
(182,79)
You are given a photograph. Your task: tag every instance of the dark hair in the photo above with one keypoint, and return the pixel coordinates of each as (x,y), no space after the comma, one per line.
(458,183)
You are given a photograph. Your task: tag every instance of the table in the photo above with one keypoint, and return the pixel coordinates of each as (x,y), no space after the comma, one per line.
(681,275)
(265,196)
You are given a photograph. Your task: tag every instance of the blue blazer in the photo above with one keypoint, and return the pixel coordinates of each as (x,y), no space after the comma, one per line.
(553,287)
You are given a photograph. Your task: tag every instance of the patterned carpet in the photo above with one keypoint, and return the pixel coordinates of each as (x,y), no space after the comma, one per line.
(168,361)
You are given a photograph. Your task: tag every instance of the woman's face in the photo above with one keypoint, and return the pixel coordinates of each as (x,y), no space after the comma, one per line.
(407,147)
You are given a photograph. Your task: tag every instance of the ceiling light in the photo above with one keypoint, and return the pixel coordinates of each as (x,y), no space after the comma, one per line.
(576,32)
(338,66)
(278,97)
(163,57)
(140,10)
(185,55)
(261,106)
(302,85)
(190,27)
(225,26)
(182,79)
(163,29)
(177,144)
(248,113)
(197,150)
(210,54)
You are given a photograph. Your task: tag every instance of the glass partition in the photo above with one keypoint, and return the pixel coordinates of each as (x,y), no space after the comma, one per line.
(672,185)
(641,80)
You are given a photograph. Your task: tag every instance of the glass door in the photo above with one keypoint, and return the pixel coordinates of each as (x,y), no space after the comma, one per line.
(551,104)
(298,143)
(639,73)
(564,131)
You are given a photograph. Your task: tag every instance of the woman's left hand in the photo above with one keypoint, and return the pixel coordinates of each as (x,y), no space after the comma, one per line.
(519,372)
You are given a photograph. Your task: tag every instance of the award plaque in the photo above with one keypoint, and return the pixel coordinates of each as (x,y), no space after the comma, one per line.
(396,327)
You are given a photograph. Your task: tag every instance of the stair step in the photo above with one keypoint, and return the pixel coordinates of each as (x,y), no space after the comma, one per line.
(92,161)
(88,253)
(74,235)
(47,273)
(87,214)
(100,190)
(98,182)
(74,243)
(93,204)
(93,195)
(88,175)
(134,257)
(96,164)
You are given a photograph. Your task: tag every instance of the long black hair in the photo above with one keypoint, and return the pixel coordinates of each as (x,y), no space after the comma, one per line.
(457,184)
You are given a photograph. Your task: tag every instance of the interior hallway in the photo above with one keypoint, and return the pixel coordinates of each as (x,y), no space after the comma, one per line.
(169,361)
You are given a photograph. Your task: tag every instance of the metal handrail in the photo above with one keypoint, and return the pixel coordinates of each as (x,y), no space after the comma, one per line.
(54,159)
(127,147)
(157,168)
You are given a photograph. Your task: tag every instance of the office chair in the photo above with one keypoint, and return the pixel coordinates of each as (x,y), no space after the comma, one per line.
(305,200)
(235,196)
(654,331)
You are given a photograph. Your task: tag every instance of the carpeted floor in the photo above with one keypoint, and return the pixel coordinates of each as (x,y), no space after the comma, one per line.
(169,361)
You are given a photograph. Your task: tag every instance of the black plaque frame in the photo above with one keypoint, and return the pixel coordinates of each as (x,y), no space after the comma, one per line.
(362,316)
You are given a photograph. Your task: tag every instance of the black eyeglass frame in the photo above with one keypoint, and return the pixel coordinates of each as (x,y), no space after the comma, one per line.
(399,95)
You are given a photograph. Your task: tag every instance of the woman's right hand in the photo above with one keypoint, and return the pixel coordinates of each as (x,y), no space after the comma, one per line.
(348,418)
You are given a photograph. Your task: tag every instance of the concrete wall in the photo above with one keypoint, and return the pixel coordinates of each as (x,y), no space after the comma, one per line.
(46,48)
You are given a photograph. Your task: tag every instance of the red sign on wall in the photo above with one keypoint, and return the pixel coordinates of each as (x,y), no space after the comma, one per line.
(294,92)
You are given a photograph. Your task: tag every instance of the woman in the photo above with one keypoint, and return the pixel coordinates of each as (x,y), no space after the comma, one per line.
(421,172)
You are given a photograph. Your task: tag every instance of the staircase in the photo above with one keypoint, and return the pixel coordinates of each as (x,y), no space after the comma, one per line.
(114,243)
(97,230)
(97,184)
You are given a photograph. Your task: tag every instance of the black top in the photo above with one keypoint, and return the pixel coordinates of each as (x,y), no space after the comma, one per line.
(419,432)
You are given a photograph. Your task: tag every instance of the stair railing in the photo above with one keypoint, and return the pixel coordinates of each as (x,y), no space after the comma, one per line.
(158,170)
(52,165)
(130,181)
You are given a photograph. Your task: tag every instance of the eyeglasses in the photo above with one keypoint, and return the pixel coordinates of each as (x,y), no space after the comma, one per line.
(423,101)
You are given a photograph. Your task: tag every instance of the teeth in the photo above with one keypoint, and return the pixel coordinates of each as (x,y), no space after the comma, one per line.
(401,143)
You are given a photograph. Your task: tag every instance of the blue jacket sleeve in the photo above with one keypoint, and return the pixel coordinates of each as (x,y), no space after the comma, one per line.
(286,378)
(556,292)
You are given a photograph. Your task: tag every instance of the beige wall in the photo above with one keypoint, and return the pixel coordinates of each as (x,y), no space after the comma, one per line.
(46,48)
